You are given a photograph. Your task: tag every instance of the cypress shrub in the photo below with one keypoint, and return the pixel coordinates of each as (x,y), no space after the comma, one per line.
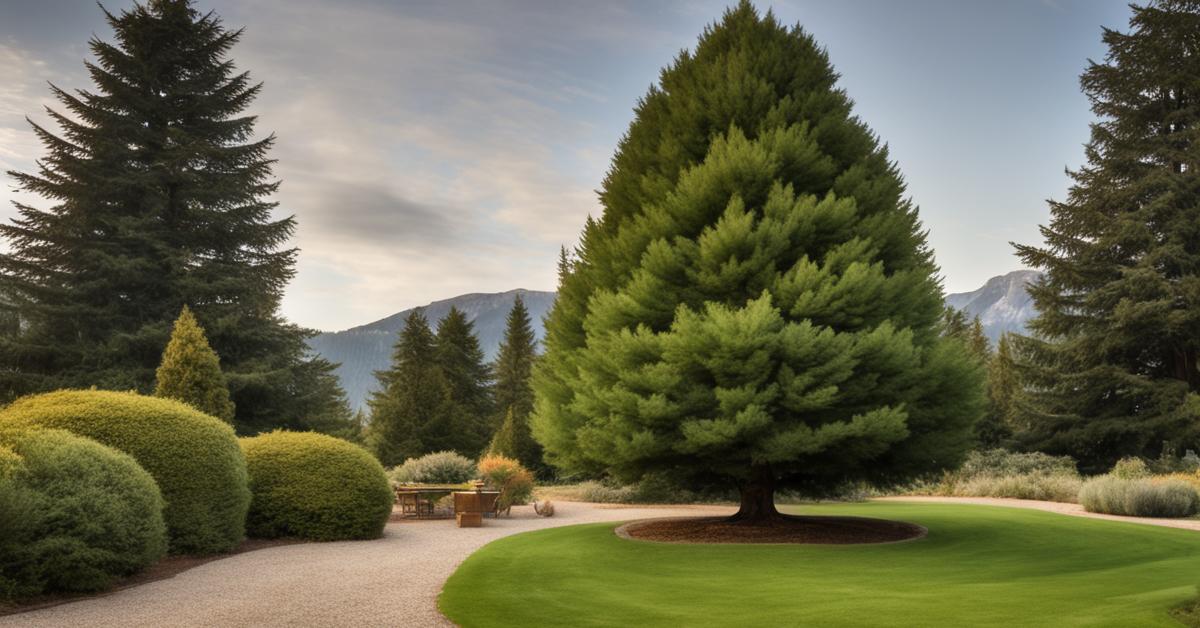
(314,486)
(194,457)
(74,514)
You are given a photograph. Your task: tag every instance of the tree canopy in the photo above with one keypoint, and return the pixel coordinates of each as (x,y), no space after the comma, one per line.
(191,371)
(159,194)
(757,302)
(1110,368)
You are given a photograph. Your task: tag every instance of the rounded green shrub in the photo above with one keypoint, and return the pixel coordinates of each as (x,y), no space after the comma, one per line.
(442,467)
(314,486)
(194,457)
(74,514)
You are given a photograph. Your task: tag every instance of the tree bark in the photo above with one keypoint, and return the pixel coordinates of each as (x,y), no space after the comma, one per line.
(757,498)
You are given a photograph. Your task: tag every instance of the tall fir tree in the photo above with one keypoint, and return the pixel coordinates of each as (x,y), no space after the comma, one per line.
(996,427)
(757,303)
(1110,369)
(191,371)
(159,197)
(410,397)
(513,393)
(469,407)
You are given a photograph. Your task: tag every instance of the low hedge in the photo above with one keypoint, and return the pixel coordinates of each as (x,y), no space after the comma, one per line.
(1139,497)
(194,457)
(314,486)
(74,514)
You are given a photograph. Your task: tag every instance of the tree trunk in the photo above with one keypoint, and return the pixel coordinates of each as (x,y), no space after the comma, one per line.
(758,498)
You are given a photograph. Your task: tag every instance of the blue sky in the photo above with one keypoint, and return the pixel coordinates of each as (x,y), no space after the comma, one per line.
(430,149)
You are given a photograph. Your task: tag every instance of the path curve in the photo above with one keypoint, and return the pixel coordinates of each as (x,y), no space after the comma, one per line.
(1074,510)
(392,581)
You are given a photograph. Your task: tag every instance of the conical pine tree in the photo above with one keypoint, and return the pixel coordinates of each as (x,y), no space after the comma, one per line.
(757,303)
(190,370)
(1111,368)
(469,408)
(410,398)
(513,393)
(159,196)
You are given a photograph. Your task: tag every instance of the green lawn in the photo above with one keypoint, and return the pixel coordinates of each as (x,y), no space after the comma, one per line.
(979,566)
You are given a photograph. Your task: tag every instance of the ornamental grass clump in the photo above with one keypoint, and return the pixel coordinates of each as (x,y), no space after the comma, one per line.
(1006,474)
(74,514)
(193,457)
(314,486)
(442,467)
(1140,497)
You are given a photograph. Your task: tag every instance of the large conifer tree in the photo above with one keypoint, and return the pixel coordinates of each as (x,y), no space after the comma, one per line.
(513,393)
(410,397)
(469,407)
(159,196)
(1111,368)
(757,302)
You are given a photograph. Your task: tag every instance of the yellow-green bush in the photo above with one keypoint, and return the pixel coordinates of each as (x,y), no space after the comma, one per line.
(74,514)
(194,458)
(314,486)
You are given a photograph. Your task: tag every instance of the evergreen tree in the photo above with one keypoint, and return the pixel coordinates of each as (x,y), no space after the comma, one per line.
(469,407)
(191,371)
(159,197)
(410,397)
(513,393)
(996,427)
(757,302)
(1110,369)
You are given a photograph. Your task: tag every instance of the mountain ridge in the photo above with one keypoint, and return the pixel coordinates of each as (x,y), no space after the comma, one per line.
(1002,305)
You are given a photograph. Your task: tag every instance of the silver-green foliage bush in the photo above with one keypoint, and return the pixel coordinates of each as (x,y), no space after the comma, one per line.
(1139,497)
(1039,485)
(1001,462)
(443,467)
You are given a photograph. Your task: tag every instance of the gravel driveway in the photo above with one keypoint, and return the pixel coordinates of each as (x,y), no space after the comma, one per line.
(392,581)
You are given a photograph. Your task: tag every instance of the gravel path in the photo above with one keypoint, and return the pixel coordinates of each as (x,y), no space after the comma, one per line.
(392,581)
(1063,509)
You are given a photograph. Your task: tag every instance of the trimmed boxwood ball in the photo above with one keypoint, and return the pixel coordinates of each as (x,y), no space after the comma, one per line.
(74,514)
(194,457)
(314,486)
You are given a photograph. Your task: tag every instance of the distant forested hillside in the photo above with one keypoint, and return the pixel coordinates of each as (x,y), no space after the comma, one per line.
(361,351)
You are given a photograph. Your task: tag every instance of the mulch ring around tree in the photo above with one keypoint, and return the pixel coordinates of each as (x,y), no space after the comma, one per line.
(787,529)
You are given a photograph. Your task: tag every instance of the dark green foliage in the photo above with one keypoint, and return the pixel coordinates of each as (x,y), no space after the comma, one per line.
(468,408)
(315,487)
(191,371)
(410,395)
(757,302)
(435,397)
(993,428)
(194,458)
(74,514)
(1111,367)
(513,393)
(158,193)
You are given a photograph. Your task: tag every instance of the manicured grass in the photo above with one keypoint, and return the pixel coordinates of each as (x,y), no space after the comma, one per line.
(979,566)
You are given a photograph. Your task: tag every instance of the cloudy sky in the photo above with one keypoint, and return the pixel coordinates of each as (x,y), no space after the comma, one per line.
(434,148)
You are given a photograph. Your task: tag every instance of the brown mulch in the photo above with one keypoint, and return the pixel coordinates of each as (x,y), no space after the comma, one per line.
(168,567)
(787,529)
